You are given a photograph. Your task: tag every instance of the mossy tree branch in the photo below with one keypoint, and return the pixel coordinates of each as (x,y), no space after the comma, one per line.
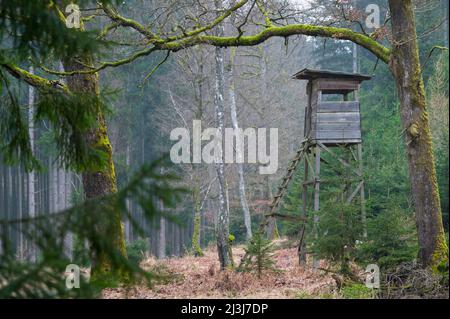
(264,12)
(32,79)
(103,65)
(366,42)
(211,25)
(116,17)
(188,40)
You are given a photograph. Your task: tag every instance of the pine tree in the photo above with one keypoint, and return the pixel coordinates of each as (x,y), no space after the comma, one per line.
(339,230)
(258,255)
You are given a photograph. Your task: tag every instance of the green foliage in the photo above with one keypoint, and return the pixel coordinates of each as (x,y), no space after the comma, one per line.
(339,228)
(292,205)
(258,256)
(33,30)
(36,30)
(79,252)
(14,139)
(391,239)
(136,251)
(237,225)
(356,291)
(45,278)
(303,295)
(69,116)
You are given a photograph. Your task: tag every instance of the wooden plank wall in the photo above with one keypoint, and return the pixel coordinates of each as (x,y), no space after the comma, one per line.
(337,121)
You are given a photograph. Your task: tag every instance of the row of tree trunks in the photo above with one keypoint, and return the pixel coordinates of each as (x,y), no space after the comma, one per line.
(15,197)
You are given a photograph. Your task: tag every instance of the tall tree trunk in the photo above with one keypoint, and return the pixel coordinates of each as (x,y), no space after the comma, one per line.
(64,188)
(20,212)
(53,186)
(177,241)
(405,66)
(99,182)
(162,236)
(197,221)
(5,203)
(128,202)
(272,229)
(68,239)
(239,155)
(31,175)
(222,223)
(162,233)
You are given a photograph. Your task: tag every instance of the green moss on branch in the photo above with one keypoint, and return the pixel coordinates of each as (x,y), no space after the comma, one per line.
(192,39)
(284,31)
(32,79)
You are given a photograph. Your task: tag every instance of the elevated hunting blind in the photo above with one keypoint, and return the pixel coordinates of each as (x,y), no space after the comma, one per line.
(332,114)
(332,135)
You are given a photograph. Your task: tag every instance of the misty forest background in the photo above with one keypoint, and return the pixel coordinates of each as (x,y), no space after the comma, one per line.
(143,110)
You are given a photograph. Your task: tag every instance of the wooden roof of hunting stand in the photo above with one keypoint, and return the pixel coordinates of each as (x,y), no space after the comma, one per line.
(332,115)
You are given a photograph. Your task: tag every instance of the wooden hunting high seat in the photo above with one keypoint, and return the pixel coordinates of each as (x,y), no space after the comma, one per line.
(337,121)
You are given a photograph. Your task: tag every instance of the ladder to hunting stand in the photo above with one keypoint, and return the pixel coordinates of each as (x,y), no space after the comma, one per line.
(277,199)
(328,123)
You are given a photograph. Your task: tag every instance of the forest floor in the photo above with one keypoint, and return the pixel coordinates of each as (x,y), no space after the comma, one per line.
(199,277)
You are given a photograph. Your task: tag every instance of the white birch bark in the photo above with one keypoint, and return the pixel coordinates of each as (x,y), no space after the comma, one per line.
(31,175)
(239,155)
(222,231)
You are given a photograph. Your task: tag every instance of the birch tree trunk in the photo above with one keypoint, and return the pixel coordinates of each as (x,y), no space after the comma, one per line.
(239,155)
(222,225)
(405,66)
(31,175)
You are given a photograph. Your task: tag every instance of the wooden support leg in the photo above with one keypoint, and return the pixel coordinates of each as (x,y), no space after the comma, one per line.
(302,243)
(362,194)
(348,173)
(316,200)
